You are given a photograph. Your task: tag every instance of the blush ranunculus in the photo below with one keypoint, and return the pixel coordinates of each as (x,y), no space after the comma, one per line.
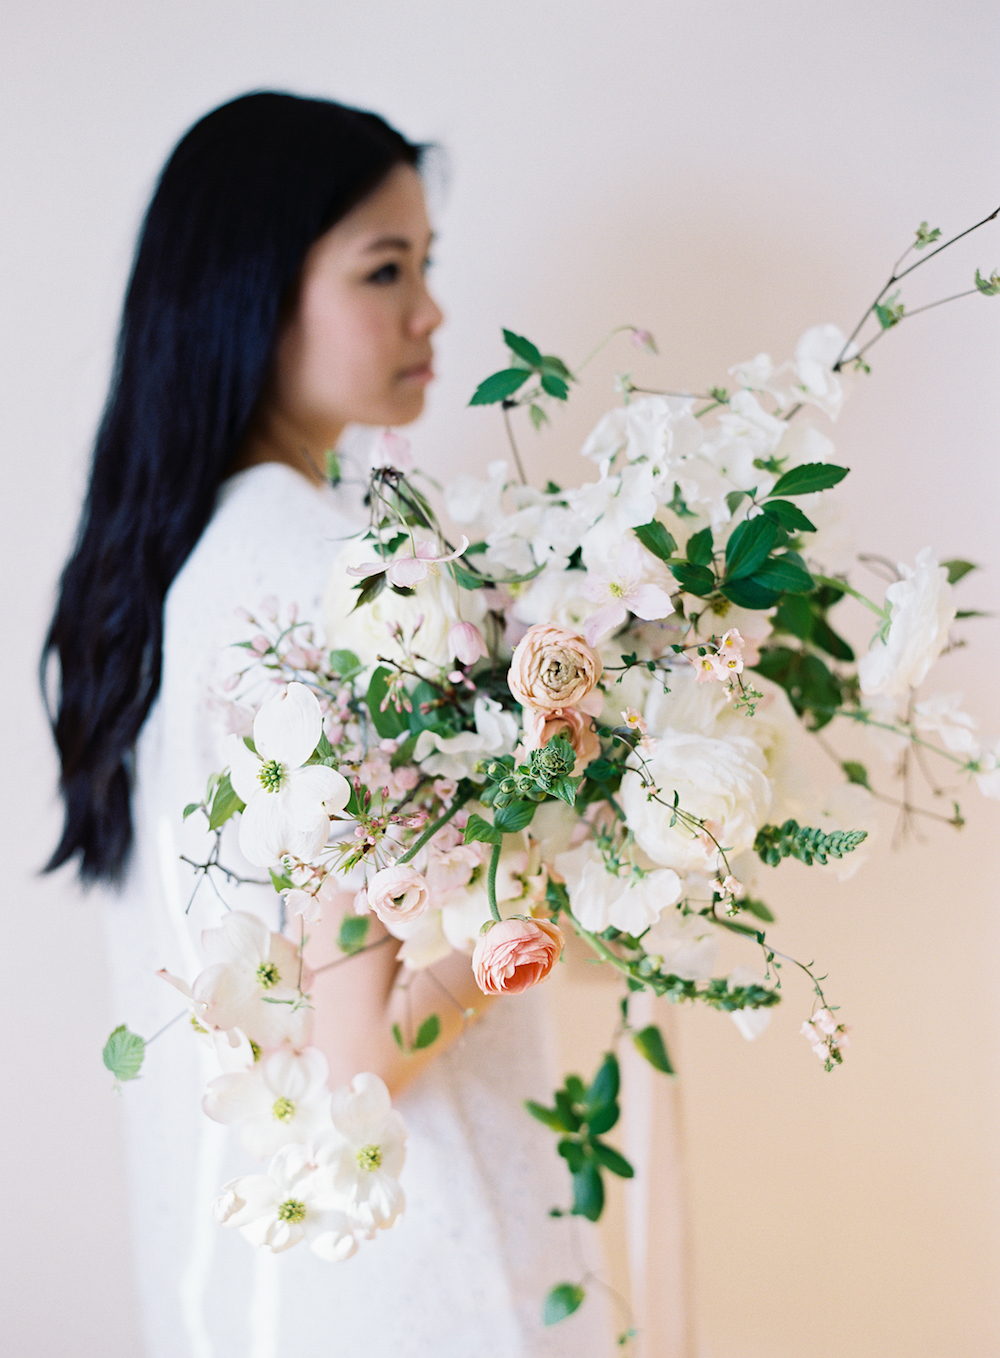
(553,668)
(570,723)
(515,955)
(398,893)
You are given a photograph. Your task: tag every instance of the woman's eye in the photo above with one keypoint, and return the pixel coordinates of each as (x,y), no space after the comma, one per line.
(428,264)
(388,273)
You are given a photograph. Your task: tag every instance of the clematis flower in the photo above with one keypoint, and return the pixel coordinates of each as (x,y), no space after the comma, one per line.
(407,571)
(288,806)
(293,1201)
(466,643)
(253,982)
(363,1154)
(283,1098)
(622,593)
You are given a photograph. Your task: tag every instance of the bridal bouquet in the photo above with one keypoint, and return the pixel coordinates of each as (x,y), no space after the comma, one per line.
(578,709)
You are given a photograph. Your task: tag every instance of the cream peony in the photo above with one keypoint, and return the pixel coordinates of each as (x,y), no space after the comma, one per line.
(922,612)
(721,782)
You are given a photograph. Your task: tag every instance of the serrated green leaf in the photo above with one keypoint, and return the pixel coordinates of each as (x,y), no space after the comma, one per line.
(958,569)
(524,348)
(498,386)
(123,1054)
(352,933)
(748,546)
(588,1192)
(555,386)
(561,1302)
(612,1160)
(650,1044)
(699,548)
(477,828)
(345,664)
(391,723)
(810,477)
(655,538)
(789,516)
(428,1032)
(514,816)
(225,803)
(694,579)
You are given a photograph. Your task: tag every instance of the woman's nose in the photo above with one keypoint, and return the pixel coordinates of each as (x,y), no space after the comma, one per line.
(427,315)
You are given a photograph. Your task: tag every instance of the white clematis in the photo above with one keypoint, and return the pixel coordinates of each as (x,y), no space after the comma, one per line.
(288,803)
(283,1098)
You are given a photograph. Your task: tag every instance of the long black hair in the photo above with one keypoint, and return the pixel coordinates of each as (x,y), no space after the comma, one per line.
(242,198)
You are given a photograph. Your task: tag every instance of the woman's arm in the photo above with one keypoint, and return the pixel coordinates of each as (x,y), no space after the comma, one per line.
(357,1001)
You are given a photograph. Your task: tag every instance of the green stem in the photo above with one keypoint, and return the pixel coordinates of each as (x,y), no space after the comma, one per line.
(491,882)
(861,716)
(599,946)
(461,797)
(513,446)
(836,583)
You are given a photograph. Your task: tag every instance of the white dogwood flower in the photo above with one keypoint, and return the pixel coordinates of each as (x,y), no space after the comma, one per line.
(282,1098)
(253,982)
(365,1151)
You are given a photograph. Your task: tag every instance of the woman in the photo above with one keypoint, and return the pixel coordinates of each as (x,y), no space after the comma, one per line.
(278,295)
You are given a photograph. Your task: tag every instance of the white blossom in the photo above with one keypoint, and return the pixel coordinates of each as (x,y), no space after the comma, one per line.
(282,1098)
(457,756)
(364,1152)
(922,612)
(600,898)
(252,982)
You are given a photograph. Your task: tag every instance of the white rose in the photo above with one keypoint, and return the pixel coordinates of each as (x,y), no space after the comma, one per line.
(367,630)
(922,612)
(721,782)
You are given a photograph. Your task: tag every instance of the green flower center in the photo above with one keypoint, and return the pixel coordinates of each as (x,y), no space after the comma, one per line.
(255,1050)
(270,775)
(370,1157)
(268,975)
(284,1109)
(292,1210)
(615,589)
(197,1026)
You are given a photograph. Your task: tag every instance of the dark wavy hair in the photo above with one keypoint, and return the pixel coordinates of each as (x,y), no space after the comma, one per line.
(242,198)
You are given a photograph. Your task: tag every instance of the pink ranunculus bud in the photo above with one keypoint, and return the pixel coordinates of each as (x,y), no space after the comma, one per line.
(568,722)
(466,643)
(515,955)
(398,894)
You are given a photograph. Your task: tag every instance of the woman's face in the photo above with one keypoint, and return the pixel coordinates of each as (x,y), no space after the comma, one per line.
(357,348)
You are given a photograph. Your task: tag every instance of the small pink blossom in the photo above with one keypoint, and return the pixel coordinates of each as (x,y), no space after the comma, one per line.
(398,894)
(392,450)
(623,593)
(635,720)
(642,339)
(826,1036)
(466,643)
(516,954)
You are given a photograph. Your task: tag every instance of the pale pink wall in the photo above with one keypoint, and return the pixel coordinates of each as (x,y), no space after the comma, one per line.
(725,174)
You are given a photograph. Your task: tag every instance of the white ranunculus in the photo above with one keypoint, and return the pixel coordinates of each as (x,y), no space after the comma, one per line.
(457,756)
(282,1098)
(288,803)
(436,604)
(688,945)
(721,782)
(922,612)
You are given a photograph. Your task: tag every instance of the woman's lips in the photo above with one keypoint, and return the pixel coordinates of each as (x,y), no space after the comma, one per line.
(420,375)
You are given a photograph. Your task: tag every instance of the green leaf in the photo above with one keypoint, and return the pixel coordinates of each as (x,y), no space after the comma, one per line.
(604,1118)
(588,1192)
(498,386)
(750,593)
(783,573)
(551,1117)
(604,1087)
(573,1153)
(989,287)
(476,828)
(655,538)
(561,1302)
(514,816)
(811,686)
(810,477)
(757,908)
(827,640)
(391,723)
(734,499)
(224,804)
(537,415)
(123,1054)
(789,516)
(565,789)
(612,1160)
(397,1034)
(190,809)
(353,932)
(555,386)
(957,569)
(694,579)
(280,880)
(749,546)
(523,348)
(649,1043)
(699,548)
(428,1032)
(807,843)
(555,366)
(856,773)
(345,664)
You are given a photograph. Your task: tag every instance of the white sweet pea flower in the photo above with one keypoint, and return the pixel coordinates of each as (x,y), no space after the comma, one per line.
(294,1201)
(457,756)
(365,1151)
(656,428)
(288,806)
(688,944)
(601,899)
(922,612)
(815,354)
(283,1098)
(252,982)
(478,503)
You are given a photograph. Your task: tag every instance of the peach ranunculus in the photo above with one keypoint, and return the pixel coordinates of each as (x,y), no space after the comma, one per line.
(398,894)
(515,955)
(553,668)
(570,723)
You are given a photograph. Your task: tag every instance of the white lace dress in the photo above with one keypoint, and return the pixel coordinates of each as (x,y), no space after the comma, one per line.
(463,1273)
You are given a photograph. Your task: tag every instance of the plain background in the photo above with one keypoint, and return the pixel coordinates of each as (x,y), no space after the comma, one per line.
(725,174)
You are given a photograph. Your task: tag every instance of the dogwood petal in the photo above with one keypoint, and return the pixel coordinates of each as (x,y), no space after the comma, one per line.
(241,938)
(288,727)
(230,1098)
(309,795)
(228,994)
(330,1236)
(244,768)
(266,834)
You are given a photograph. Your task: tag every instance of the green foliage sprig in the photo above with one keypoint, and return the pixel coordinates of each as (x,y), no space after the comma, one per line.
(806,843)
